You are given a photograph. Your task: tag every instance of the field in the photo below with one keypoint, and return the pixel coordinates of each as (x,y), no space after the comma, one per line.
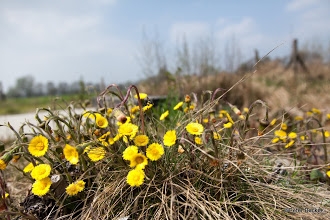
(253,145)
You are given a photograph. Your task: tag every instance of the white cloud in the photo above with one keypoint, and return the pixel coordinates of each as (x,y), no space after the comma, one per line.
(296,5)
(62,42)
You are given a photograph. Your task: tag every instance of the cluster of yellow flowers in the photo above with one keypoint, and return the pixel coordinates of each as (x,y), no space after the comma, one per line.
(90,136)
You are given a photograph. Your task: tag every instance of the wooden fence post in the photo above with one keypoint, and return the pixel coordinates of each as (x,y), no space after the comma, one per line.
(296,58)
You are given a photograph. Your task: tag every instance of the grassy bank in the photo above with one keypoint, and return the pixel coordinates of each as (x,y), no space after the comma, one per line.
(29,104)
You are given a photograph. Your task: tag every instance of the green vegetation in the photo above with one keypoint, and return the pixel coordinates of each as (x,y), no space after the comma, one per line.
(30,104)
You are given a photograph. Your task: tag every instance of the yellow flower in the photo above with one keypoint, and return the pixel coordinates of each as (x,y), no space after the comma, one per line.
(154,151)
(326,134)
(281,134)
(298,118)
(177,106)
(38,146)
(284,126)
(164,115)
(28,168)
(289,144)
(3,164)
(101,121)
(328,116)
(135,109)
(103,139)
(135,177)
(169,138)
(275,140)
(316,111)
(246,109)
(41,187)
(195,128)
(141,140)
(198,140)
(273,122)
(142,95)
(75,188)
(71,154)
(205,120)
(96,154)
(41,171)
(128,129)
(109,111)
(129,152)
(216,136)
(292,135)
(138,160)
(228,125)
(328,173)
(147,107)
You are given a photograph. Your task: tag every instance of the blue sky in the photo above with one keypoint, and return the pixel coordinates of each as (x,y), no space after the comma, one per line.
(65,40)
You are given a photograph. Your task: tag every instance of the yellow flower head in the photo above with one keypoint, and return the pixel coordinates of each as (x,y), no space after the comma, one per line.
(71,154)
(75,188)
(292,135)
(195,128)
(101,121)
(41,187)
(164,115)
(284,126)
(109,111)
(316,111)
(169,138)
(273,122)
(129,152)
(28,168)
(147,107)
(135,177)
(177,106)
(298,118)
(3,164)
(96,154)
(41,171)
(289,144)
(135,109)
(141,140)
(326,134)
(281,134)
(216,136)
(142,96)
(138,160)
(275,140)
(128,129)
(198,140)
(328,173)
(38,146)
(228,125)
(154,151)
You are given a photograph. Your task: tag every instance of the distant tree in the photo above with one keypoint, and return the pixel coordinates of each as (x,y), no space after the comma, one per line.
(63,88)
(51,88)
(24,87)
(38,89)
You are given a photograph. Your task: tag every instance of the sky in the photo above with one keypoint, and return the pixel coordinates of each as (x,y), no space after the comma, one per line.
(94,40)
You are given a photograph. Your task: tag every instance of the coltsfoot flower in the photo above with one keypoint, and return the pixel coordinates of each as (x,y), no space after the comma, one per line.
(38,146)
(169,138)
(96,154)
(71,154)
(75,188)
(164,115)
(129,152)
(155,151)
(135,177)
(41,171)
(195,128)
(138,160)
(41,187)
(141,140)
